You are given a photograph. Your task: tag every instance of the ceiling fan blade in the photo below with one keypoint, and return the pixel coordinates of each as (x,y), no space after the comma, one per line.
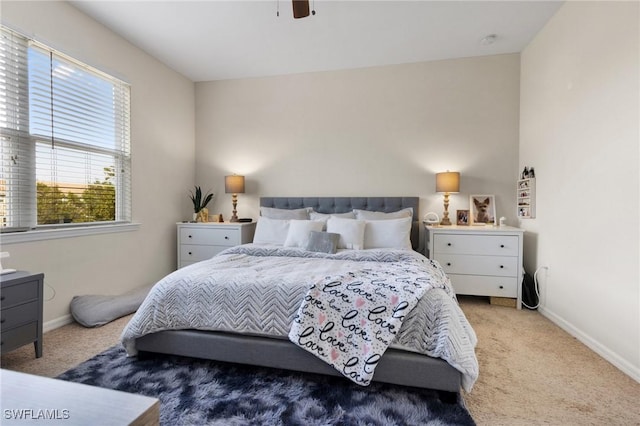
(300,8)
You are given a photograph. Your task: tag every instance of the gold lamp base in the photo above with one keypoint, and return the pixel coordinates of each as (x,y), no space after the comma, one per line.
(445,216)
(234,201)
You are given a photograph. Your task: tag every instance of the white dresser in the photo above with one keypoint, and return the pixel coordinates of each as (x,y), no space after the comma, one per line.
(479,260)
(201,241)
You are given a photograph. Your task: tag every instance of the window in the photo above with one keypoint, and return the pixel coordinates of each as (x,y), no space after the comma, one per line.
(65,140)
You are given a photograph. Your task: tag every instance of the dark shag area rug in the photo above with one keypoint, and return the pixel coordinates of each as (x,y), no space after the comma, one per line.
(201,392)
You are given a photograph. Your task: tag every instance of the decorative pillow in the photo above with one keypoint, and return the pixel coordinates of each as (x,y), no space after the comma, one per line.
(273,213)
(351,232)
(271,231)
(370,215)
(392,233)
(299,230)
(324,242)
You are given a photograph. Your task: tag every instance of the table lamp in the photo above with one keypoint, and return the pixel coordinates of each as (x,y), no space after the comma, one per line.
(234,185)
(447,182)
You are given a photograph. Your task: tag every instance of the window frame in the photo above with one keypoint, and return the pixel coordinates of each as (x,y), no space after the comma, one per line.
(121,155)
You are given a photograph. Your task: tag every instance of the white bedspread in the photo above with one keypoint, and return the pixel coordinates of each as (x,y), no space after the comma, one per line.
(257,290)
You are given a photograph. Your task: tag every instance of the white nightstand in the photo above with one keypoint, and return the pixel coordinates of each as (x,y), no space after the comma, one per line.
(201,241)
(479,260)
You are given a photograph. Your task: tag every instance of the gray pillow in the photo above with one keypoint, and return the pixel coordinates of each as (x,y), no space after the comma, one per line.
(95,310)
(324,242)
(313,215)
(373,215)
(273,213)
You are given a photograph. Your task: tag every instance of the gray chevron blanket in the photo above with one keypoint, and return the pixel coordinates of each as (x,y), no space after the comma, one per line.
(257,290)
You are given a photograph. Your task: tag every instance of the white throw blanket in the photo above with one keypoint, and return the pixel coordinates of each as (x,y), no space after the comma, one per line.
(350,320)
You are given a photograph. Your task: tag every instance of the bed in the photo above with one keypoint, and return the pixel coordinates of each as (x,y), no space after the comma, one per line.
(401,364)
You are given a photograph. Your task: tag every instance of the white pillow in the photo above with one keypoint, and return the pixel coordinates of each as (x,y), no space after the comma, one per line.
(351,232)
(273,213)
(271,231)
(323,217)
(371,215)
(300,232)
(392,233)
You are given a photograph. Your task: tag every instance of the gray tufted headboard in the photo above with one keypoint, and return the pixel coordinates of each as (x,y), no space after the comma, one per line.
(346,204)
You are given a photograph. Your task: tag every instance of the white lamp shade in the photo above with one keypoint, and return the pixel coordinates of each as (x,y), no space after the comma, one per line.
(234,184)
(448,182)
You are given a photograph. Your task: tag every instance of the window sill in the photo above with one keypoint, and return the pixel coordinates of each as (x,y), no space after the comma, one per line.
(53,234)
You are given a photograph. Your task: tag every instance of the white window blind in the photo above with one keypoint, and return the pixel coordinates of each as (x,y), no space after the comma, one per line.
(78,141)
(17,182)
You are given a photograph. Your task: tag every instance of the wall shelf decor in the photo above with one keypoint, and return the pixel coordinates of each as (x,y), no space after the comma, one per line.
(526,196)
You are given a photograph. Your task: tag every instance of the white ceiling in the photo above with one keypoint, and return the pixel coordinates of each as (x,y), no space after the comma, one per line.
(214,40)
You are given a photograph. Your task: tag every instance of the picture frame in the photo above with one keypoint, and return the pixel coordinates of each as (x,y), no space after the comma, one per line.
(462,217)
(483,209)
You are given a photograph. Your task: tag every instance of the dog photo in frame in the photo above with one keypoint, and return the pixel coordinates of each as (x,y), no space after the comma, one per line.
(462,217)
(483,209)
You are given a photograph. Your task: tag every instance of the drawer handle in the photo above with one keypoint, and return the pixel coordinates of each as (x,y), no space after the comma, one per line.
(501,245)
(189,253)
(501,266)
(1,298)
(448,263)
(2,320)
(226,238)
(501,287)
(449,244)
(189,236)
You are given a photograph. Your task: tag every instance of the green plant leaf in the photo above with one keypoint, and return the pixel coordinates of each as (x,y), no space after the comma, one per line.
(207,199)
(198,202)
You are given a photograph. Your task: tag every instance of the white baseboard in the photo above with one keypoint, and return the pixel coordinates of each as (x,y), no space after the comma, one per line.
(57,323)
(623,365)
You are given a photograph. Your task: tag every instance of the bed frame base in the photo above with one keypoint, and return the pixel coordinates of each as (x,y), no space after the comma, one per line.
(396,367)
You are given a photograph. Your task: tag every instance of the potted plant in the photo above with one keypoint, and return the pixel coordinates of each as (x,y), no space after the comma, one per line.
(200,204)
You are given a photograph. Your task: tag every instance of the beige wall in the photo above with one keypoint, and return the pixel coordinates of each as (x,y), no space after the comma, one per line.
(163,151)
(579,126)
(381,131)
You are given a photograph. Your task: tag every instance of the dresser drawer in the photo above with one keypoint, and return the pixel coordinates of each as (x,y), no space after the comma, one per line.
(11,317)
(504,266)
(192,253)
(219,237)
(491,245)
(486,286)
(18,294)
(19,336)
